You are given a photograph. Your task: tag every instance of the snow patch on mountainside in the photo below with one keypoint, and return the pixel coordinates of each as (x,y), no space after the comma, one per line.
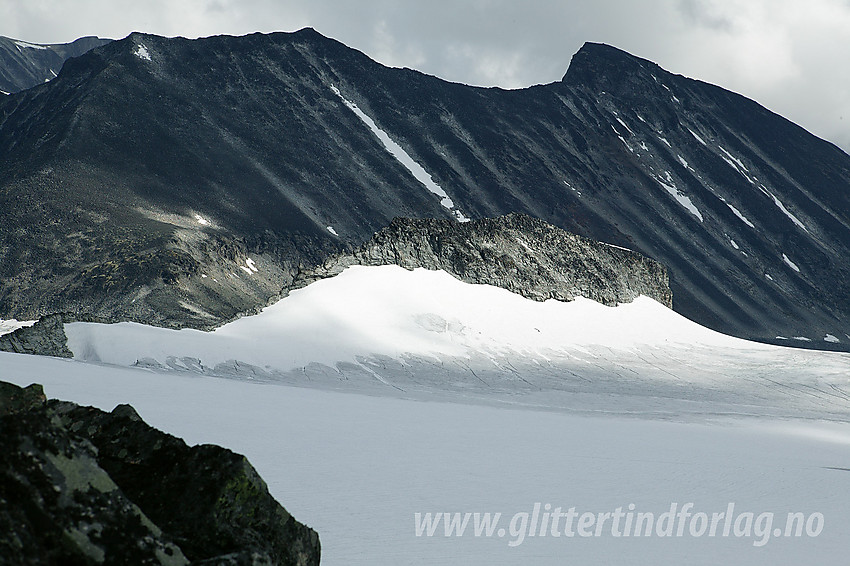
(790,263)
(142,52)
(738,164)
(620,120)
(29,45)
(738,213)
(403,157)
(697,137)
(680,197)
(784,210)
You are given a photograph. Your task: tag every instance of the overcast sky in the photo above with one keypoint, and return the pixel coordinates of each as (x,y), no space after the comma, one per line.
(789,55)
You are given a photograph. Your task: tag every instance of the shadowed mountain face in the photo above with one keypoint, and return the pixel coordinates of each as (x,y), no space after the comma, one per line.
(24,65)
(181,182)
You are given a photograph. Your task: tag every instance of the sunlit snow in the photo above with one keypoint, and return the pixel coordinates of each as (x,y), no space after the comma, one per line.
(414,331)
(142,52)
(10,325)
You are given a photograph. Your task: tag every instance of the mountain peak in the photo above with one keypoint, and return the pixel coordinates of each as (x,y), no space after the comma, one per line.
(606,67)
(166,175)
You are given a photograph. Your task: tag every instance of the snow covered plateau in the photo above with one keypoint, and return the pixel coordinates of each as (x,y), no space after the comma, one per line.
(373,398)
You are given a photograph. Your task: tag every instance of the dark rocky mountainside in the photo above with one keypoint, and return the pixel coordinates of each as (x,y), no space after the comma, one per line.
(24,65)
(516,252)
(81,486)
(182,182)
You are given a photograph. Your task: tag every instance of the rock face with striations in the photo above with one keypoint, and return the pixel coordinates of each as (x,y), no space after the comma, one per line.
(183,182)
(82,486)
(45,338)
(516,252)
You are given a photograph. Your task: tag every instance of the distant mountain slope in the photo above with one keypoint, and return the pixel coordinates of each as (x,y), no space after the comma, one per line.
(24,65)
(183,181)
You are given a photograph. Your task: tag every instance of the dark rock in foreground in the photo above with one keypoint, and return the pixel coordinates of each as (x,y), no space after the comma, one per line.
(516,252)
(82,486)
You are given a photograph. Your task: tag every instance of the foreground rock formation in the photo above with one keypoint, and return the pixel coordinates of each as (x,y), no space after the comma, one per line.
(82,486)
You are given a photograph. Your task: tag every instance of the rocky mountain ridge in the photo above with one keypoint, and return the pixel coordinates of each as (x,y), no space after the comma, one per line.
(183,182)
(24,65)
(515,252)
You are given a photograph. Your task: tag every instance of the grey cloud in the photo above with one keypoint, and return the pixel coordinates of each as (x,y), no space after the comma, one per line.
(699,13)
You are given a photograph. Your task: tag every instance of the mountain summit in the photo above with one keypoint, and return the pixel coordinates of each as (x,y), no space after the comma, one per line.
(181,182)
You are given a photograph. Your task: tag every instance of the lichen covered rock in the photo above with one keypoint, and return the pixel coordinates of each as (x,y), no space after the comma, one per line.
(82,486)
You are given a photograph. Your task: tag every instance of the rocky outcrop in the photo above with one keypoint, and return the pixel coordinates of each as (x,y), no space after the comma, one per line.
(82,486)
(46,338)
(519,253)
